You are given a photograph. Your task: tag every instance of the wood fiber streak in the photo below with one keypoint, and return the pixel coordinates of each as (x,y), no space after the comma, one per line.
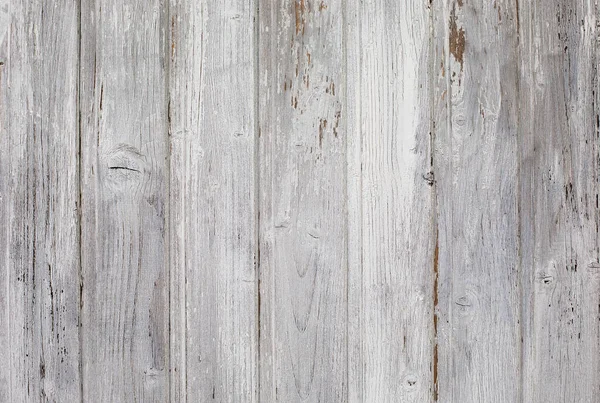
(39,296)
(476,180)
(214,327)
(123,105)
(303,219)
(559,201)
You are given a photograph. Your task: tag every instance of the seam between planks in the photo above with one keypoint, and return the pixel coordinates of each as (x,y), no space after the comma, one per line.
(257,192)
(168,59)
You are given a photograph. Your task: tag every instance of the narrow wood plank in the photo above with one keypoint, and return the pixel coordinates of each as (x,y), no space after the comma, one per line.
(213,201)
(559,200)
(476,177)
(394,277)
(5,351)
(355,365)
(124,183)
(303,219)
(39,306)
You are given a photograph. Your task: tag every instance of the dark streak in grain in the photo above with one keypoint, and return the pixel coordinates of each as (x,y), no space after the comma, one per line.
(51,289)
(124,168)
(338,115)
(322,127)
(517,16)
(101,95)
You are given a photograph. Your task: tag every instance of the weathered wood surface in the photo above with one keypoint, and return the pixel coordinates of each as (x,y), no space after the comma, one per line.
(39,196)
(213,179)
(299,201)
(124,192)
(303,246)
(559,128)
(476,162)
(394,280)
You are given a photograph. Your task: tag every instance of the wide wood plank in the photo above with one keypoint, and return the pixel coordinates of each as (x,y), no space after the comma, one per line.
(124,184)
(214,299)
(39,193)
(559,201)
(476,182)
(303,220)
(393,281)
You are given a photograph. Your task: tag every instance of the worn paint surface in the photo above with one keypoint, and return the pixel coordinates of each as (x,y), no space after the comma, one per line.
(299,201)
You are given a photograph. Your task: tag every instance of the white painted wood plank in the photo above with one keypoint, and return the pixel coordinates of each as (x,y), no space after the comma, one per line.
(124,183)
(393,279)
(303,220)
(213,201)
(559,201)
(39,195)
(476,174)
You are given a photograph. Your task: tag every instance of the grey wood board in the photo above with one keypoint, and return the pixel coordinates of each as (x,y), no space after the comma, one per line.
(303,246)
(476,183)
(213,201)
(124,143)
(39,164)
(299,201)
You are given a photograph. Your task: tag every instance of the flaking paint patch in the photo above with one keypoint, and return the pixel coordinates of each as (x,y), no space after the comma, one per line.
(300,11)
(457,40)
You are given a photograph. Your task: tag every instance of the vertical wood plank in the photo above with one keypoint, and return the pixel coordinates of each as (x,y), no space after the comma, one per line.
(356,362)
(5,347)
(559,200)
(124,183)
(213,201)
(39,196)
(394,276)
(476,176)
(303,219)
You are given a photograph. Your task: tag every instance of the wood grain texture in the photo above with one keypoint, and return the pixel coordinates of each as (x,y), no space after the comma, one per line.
(124,182)
(39,195)
(299,201)
(559,201)
(396,272)
(213,201)
(303,267)
(476,182)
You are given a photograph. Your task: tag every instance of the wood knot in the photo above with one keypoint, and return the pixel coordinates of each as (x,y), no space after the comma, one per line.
(410,381)
(429,178)
(124,165)
(547,276)
(466,304)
